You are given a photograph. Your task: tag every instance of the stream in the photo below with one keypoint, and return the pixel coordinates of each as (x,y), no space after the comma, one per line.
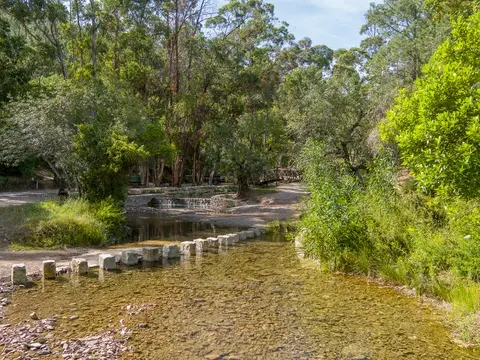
(253,301)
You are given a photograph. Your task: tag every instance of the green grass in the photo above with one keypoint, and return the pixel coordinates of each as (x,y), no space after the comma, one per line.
(51,224)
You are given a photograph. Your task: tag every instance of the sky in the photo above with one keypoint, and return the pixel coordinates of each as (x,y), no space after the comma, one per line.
(335,23)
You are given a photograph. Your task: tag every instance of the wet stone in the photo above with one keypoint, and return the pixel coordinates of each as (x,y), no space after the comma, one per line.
(19,274)
(250,234)
(107,262)
(223,240)
(242,235)
(79,266)
(49,270)
(212,243)
(188,248)
(129,257)
(256,231)
(233,239)
(171,252)
(201,245)
(150,254)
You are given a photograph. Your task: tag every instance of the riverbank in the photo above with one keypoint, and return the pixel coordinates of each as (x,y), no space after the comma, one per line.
(281,204)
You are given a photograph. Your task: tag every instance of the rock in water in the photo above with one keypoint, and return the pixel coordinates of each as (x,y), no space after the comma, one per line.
(188,248)
(79,266)
(19,274)
(49,270)
(129,257)
(107,262)
(171,252)
(150,254)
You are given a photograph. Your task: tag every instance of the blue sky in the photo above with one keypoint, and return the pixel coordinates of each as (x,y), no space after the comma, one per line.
(335,23)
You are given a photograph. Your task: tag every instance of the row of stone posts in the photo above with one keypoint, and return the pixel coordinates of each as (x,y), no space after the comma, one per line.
(131,257)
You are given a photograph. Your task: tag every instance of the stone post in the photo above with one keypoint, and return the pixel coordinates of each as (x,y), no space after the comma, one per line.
(201,245)
(242,235)
(150,254)
(19,274)
(129,257)
(171,252)
(188,248)
(212,243)
(79,266)
(49,270)
(107,262)
(250,234)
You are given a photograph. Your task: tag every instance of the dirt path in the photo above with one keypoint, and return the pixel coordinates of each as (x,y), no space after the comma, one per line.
(26,197)
(280,205)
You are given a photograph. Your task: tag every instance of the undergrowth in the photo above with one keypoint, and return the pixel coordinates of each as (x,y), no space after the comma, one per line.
(73,223)
(379,228)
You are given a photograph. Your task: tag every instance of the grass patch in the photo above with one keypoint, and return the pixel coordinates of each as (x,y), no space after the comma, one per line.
(51,224)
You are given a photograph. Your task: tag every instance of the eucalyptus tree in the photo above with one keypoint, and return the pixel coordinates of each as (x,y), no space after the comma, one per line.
(401,37)
(247,40)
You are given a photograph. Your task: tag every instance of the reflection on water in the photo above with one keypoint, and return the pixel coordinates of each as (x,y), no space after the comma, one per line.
(254,301)
(147,227)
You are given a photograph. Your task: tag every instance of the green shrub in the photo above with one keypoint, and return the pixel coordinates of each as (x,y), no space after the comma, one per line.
(369,227)
(73,223)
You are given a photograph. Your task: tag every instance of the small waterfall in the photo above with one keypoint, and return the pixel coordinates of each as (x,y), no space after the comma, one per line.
(182,203)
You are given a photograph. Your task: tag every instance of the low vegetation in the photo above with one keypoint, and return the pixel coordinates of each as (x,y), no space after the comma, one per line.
(51,224)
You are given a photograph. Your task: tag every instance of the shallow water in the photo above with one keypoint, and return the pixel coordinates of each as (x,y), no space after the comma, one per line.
(255,301)
(155,227)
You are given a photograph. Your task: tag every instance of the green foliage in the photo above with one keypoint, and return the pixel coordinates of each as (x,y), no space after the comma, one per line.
(103,156)
(73,223)
(430,244)
(437,126)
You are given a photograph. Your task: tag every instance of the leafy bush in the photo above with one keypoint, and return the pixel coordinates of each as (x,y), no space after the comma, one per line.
(369,227)
(73,223)
(437,126)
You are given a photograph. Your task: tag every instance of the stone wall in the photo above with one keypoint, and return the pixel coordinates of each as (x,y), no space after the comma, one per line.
(190,197)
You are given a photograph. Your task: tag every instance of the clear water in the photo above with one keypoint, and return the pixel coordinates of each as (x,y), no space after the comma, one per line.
(156,227)
(254,301)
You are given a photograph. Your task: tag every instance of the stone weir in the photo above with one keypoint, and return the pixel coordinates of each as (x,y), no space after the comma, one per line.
(195,197)
(112,259)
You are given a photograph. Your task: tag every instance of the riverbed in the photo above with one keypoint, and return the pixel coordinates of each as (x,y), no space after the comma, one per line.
(254,301)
